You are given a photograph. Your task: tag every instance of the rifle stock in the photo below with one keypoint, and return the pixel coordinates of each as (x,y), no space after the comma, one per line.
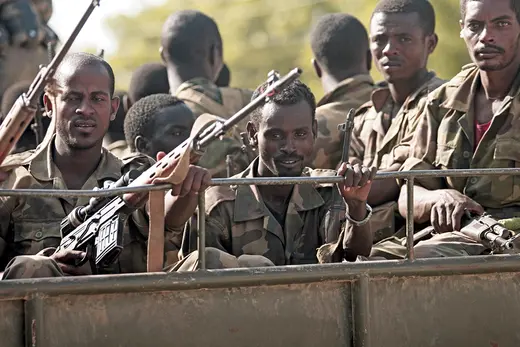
(103,230)
(25,107)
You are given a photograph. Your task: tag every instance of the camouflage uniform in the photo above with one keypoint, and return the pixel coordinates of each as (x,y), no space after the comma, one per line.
(378,140)
(331,111)
(203,96)
(30,224)
(24,36)
(445,139)
(119,148)
(242,231)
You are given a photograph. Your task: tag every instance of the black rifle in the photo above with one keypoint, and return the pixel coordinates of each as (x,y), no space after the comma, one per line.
(100,233)
(347,135)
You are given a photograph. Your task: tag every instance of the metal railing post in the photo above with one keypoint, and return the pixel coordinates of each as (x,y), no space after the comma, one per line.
(201,230)
(410,255)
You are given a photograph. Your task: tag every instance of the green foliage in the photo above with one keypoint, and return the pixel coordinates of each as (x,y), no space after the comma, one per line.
(261,35)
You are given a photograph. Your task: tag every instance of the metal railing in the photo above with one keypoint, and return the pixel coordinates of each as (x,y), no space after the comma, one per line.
(408,176)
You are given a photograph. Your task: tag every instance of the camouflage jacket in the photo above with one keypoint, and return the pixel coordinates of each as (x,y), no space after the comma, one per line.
(375,133)
(445,139)
(331,111)
(238,222)
(30,224)
(119,148)
(203,96)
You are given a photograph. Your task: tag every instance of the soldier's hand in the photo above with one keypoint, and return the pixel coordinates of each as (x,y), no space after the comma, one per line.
(67,259)
(447,212)
(357,183)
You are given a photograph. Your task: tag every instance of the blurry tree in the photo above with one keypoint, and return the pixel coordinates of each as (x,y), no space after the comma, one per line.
(261,35)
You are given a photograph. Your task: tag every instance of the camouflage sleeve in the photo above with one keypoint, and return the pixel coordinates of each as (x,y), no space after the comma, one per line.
(7,206)
(401,151)
(342,240)
(423,148)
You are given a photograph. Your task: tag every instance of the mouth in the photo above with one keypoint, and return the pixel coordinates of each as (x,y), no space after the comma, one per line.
(85,126)
(289,163)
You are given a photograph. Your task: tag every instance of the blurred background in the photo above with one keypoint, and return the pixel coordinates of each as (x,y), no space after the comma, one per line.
(259,35)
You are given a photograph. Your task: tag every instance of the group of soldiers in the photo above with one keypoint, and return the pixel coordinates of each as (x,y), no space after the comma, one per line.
(412,120)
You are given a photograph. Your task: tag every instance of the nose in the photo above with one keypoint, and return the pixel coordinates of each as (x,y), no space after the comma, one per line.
(288,146)
(487,36)
(390,48)
(85,109)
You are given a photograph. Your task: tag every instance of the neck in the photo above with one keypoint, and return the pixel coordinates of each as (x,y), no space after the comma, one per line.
(401,90)
(330,81)
(272,193)
(77,163)
(497,84)
(177,75)
(111,138)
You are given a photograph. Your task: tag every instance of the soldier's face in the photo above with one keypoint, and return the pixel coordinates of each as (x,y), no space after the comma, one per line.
(285,139)
(83,106)
(172,126)
(492,33)
(399,46)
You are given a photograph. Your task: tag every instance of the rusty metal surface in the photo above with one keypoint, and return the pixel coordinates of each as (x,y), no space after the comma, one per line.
(300,315)
(11,323)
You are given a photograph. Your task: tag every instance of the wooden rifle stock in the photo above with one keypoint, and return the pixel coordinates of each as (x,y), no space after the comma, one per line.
(25,107)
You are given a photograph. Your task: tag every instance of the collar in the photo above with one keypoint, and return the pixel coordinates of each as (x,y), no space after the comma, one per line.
(42,165)
(249,204)
(346,87)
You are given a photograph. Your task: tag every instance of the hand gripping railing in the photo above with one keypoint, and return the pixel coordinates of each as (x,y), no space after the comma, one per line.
(408,176)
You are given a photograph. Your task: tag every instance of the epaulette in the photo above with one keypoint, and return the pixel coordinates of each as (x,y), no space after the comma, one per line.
(16,160)
(217,194)
(320,173)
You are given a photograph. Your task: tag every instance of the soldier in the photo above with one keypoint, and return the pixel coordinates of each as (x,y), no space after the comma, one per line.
(148,79)
(24,39)
(191,47)
(82,102)
(402,36)
(344,74)
(114,140)
(471,122)
(283,225)
(157,123)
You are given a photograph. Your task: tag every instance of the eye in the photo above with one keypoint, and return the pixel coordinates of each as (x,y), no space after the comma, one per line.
(474,26)
(405,39)
(503,24)
(301,133)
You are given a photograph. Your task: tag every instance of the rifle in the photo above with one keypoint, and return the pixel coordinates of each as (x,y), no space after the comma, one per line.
(100,231)
(347,129)
(483,229)
(25,107)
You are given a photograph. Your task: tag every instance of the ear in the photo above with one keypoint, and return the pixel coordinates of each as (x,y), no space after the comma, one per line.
(315,128)
(432,43)
(216,59)
(162,53)
(252,132)
(317,67)
(369,60)
(461,23)
(47,104)
(114,106)
(141,144)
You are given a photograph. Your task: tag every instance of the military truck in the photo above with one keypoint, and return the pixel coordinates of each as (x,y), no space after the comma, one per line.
(466,301)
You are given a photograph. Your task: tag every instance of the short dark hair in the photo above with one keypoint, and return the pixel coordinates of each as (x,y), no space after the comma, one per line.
(291,95)
(186,36)
(140,116)
(224,77)
(515,6)
(339,41)
(82,59)
(422,7)
(148,79)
